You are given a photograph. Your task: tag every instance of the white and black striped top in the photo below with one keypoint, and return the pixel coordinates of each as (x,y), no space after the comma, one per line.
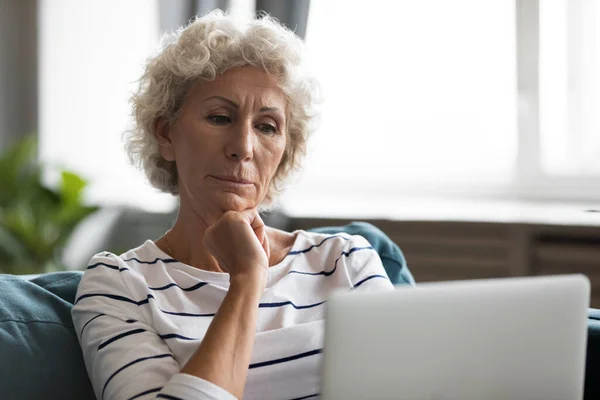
(140,317)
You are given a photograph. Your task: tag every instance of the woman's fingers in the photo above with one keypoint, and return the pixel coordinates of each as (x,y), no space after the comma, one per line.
(238,241)
(265,243)
(253,218)
(258,226)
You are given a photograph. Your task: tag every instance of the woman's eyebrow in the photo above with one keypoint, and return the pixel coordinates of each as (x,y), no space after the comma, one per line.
(236,105)
(268,109)
(225,99)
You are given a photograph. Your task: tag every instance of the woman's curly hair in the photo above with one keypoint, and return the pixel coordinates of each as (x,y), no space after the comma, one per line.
(205,48)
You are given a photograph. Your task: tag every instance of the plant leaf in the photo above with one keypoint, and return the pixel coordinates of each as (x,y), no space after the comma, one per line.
(16,164)
(35,221)
(71,188)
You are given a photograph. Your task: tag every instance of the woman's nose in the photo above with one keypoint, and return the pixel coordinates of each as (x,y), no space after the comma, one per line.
(240,146)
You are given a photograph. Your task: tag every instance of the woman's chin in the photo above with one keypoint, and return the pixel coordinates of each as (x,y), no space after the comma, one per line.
(228,201)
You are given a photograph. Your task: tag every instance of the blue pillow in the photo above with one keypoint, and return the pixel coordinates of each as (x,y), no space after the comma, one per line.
(40,356)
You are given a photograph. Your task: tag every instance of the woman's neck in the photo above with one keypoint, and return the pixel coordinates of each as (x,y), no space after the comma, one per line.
(185,242)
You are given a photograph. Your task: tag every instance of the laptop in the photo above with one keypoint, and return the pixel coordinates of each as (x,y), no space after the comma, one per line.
(510,338)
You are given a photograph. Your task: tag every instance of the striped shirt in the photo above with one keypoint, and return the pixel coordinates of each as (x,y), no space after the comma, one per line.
(142,315)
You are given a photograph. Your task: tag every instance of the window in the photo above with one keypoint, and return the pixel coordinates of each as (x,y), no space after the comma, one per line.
(461,98)
(441,98)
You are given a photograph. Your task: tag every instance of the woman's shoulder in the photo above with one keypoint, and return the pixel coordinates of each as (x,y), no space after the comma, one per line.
(110,267)
(342,251)
(327,243)
(146,253)
(116,285)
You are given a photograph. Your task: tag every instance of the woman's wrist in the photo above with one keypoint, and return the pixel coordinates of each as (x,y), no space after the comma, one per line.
(252,281)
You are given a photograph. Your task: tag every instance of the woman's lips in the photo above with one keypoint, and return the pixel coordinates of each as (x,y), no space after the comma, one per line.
(230,180)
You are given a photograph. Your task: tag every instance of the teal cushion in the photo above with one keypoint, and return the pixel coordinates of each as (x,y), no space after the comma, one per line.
(390,254)
(592,362)
(40,357)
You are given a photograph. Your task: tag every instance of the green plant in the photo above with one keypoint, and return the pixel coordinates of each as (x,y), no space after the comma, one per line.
(35,220)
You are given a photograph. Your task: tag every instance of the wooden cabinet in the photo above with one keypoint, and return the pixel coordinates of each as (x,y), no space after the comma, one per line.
(448,250)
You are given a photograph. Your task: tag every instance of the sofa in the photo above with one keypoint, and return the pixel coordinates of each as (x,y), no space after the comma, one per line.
(40,354)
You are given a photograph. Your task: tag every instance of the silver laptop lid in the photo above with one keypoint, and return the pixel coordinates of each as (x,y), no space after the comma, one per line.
(516,338)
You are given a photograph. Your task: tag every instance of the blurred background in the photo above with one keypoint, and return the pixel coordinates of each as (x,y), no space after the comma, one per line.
(467,130)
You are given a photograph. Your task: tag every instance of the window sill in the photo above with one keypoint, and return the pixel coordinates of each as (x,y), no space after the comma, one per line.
(444,209)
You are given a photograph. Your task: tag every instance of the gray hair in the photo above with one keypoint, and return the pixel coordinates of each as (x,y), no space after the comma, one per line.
(205,48)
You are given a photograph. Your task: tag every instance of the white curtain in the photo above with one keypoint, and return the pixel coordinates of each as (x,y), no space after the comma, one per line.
(91,54)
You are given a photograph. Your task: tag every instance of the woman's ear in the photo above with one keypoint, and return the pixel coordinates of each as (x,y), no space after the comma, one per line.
(162,132)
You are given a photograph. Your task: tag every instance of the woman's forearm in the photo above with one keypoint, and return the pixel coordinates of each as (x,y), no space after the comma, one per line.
(224,354)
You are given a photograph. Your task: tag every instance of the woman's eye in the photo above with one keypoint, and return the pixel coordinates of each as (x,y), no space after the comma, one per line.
(267,128)
(219,119)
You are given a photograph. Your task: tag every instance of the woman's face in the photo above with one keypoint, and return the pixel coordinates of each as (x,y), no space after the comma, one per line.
(228,140)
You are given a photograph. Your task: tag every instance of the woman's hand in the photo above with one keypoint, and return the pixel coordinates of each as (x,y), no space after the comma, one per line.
(239,243)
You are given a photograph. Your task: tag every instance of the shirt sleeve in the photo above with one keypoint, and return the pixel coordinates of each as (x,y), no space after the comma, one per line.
(124,356)
(365,269)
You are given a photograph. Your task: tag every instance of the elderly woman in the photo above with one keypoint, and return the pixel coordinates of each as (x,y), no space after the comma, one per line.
(221,306)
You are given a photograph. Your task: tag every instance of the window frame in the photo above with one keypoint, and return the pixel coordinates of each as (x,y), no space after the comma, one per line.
(531,182)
